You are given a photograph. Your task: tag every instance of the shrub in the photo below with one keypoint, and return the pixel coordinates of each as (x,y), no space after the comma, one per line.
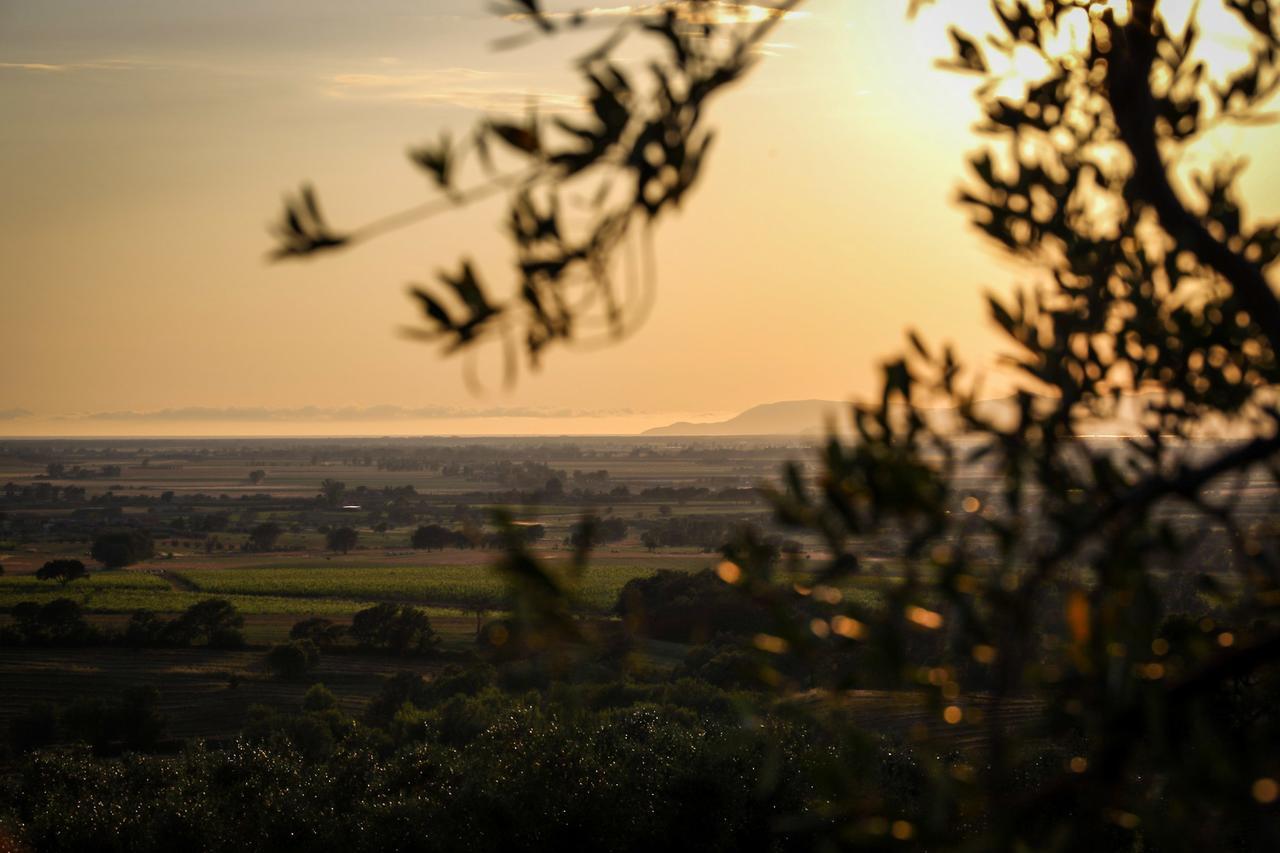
(293,659)
(318,698)
(122,547)
(57,623)
(437,537)
(306,734)
(63,571)
(397,628)
(323,632)
(593,531)
(213,621)
(687,608)
(342,539)
(145,628)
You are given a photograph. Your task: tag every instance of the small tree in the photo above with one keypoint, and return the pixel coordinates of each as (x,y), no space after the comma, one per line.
(293,659)
(331,492)
(63,571)
(323,632)
(56,623)
(145,628)
(342,539)
(370,627)
(263,537)
(122,547)
(319,699)
(214,621)
(432,537)
(257,476)
(400,629)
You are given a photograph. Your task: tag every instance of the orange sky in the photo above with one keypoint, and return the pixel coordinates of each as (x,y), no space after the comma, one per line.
(146,146)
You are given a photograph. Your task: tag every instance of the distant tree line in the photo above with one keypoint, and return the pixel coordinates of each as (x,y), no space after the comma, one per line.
(212,622)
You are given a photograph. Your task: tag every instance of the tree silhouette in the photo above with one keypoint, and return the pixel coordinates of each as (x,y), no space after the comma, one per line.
(122,547)
(331,492)
(342,539)
(63,571)
(264,536)
(1059,584)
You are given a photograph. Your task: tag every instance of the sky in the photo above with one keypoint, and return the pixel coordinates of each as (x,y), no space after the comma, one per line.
(146,144)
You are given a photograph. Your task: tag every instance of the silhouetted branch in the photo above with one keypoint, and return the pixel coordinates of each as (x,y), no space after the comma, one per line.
(1135,112)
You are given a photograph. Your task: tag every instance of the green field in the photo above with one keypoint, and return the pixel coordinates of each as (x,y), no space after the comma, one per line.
(325,590)
(446,586)
(172,601)
(124,592)
(341,590)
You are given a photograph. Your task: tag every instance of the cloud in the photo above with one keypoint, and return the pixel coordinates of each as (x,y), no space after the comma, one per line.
(468,88)
(33,66)
(13,414)
(714,12)
(344,414)
(66,67)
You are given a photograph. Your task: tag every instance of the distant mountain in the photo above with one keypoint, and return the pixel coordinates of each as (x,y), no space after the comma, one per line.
(791,417)
(810,417)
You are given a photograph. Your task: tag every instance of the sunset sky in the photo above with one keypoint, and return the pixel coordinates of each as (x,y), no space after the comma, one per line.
(147,143)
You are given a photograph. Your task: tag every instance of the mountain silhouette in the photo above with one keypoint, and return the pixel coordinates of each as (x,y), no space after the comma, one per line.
(811,417)
(790,417)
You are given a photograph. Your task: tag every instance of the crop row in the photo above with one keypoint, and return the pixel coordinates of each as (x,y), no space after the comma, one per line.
(459,586)
(166,600)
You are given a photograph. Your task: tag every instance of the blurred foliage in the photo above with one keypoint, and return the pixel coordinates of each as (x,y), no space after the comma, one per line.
(624,768)
(1075,580)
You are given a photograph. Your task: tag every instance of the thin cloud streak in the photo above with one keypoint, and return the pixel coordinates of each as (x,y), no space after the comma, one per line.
(253,414)
(93,65)
(467,88)
(722,12)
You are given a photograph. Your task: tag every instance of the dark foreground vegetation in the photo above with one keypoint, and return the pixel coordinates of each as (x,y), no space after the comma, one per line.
(534,739)
(1088,631)
(609,767)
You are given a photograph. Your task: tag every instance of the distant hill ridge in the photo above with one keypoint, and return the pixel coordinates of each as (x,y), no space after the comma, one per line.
(790,417)
(810,417)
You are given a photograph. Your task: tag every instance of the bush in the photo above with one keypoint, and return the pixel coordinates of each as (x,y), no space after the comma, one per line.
(56,623)
(396,628)
(687,608)
(318,698)
(63,571)
(306,734)
(436,537)
(145,628)
(122,547)
(263,537)
(323,632)
(293,659)
(396,691)
(728,665)
(592,531)
(213,621)
(342,539)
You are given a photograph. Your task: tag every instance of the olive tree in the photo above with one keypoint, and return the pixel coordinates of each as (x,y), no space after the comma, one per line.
(1075,587)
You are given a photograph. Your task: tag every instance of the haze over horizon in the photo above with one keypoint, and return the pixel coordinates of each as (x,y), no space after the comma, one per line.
(147,145)
(314,421)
